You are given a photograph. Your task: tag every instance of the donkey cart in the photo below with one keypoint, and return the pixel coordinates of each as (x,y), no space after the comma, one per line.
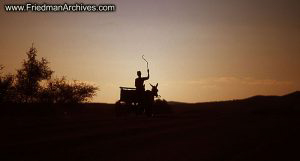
(133,102)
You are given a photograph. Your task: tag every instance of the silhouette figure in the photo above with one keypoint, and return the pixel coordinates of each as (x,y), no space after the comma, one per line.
(140,87)
(139,82)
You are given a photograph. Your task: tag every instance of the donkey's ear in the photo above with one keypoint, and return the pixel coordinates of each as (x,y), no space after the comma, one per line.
(151,85)
(156,85)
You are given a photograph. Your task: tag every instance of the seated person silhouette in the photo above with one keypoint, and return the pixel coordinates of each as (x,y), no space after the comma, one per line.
(139,84)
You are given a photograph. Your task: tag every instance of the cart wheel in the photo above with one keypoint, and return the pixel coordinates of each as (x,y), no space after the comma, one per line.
(118,108)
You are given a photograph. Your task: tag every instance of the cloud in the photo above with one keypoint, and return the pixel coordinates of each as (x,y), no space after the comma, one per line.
(252,81)
(229,81)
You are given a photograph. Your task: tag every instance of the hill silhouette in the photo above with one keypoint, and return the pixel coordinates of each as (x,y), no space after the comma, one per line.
(293,97)
(261,128)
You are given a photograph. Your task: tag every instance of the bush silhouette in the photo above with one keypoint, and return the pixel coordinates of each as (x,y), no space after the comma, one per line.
(25,86)
(161,106)
(62,91)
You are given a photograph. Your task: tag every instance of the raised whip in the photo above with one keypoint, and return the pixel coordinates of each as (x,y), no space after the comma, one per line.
(146,61)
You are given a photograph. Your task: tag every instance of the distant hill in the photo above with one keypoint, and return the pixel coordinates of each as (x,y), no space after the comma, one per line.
(289,103)
(293,97)
(178,103)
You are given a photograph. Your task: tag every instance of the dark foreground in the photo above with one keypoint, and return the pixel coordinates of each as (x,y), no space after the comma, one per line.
(202,132)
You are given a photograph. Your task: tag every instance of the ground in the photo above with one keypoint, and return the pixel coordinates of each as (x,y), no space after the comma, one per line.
(191,132)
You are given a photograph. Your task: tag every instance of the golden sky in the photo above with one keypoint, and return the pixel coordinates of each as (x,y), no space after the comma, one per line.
(198,50)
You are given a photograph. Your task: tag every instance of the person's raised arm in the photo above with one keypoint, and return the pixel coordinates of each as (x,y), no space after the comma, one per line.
(148,75)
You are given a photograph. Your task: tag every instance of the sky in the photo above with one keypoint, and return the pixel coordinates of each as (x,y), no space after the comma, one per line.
(198,50)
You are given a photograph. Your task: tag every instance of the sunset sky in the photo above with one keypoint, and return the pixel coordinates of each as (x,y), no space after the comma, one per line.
(198,50)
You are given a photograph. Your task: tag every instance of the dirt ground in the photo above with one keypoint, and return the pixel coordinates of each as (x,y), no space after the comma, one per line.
(189,133)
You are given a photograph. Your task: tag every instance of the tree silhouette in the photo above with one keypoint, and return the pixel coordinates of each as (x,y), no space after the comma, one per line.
(7,89)
(26,86)
(28,78)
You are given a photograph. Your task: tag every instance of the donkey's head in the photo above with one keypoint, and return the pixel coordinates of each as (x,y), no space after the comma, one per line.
(154,89)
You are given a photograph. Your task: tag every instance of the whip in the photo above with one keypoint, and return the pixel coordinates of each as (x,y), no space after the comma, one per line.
(146,62)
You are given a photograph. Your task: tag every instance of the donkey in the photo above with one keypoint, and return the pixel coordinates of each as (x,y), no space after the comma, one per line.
(148,100)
